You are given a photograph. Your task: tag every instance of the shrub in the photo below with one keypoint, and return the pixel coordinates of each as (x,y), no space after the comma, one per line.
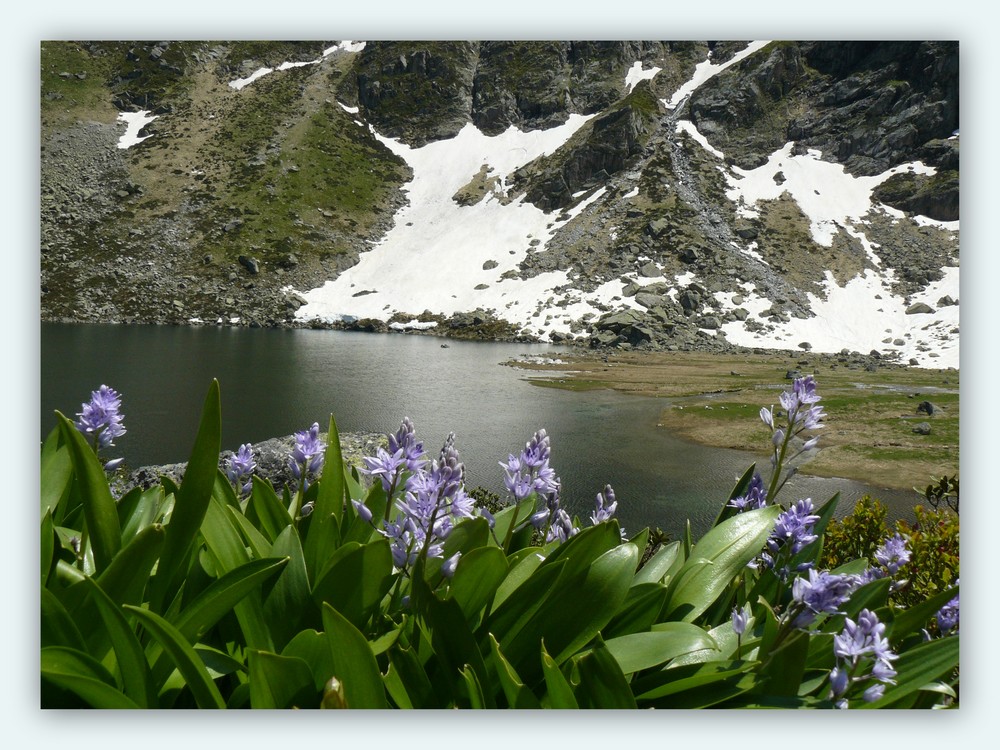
(404,593)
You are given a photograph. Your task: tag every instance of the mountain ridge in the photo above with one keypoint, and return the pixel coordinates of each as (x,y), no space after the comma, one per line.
(246,201)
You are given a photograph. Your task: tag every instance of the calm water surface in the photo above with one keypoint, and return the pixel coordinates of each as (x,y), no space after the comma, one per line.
(275,382)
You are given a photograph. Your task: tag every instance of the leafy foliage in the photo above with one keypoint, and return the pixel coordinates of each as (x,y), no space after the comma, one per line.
(195,596)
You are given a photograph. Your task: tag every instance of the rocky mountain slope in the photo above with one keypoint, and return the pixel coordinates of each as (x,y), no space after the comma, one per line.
(666,195)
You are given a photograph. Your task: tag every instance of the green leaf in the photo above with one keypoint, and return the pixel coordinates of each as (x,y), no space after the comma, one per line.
(259,546)
(521,566)
(325,522)
(407,682)
(582,549)
(658,565)
(48,546)
(192,499)
(559,692)
(641,608)
(917,667)
(473,690)
(125,579)
(56,474)
(137,681)
(477,577)
(189,664)
(356,582)
(509,618)
(312,648)
(574,612)
(288,604)
(786,665)
(223,594)
(638,651)
(57,625)
(280,681)
(265,505)
(693,686)
(870,596)
(727,512)
(84,676)
(361,530)
(715,560)
(353,662)
(98,505)
(139,510)
(454,644)
(602,684)
(514,690)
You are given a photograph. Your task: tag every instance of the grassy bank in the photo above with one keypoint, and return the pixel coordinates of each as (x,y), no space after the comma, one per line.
(714,399)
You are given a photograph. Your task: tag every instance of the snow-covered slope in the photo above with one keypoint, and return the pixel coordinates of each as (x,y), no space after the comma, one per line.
(444,257)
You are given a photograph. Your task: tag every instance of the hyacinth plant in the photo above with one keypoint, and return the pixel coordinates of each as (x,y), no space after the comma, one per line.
(384,586)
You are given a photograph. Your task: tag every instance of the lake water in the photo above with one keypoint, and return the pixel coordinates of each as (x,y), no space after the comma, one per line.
(275,382)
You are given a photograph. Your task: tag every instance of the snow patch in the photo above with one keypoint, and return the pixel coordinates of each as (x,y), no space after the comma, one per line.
(636,74)
(706,70)
(686,126)
(241,83)
(134,123)
(345,46)
(413,325)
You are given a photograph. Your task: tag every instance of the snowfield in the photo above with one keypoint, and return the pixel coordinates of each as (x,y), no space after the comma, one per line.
(446,258)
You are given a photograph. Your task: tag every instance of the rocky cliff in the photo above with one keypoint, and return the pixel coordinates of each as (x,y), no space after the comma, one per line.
(638,194)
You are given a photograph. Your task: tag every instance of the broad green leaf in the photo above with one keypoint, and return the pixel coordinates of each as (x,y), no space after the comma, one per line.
(137,682)
(870,596)
(259,546)
(521,567)
(454,644)
(727,548)
(727,512)
(192,499)
(361,530)
(641,608)
(323,535)
(511,516)
(582,549)
(280,681)
(48,546)
(57,625)
(638,651)
(288,604)
(407,682)
(513,614)
(574,612)
(559,693)
(140,509)
(786,665)
(917,667)
(658,565)
(602,684)
(191,667)
(473,690)
(312,648)
(84,676)
(354,663)
(357,581)
(267,508)
(223,540)
(56,474)
(693,686)
(514,690)
(477,577)
(222,595)
(99,509)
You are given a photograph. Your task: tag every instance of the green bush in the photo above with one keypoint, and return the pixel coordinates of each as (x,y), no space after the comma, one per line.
(222,593)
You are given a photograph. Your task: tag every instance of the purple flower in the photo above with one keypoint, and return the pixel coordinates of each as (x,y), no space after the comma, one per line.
(113,464)
(793,529)
(405,443)
(363,511)
(562,527)
(240,466)
(947,616)
(384,465)
(449,565)
(605,506)
(306,458)
(755,497)
(740,619)
(863,654)
(821,593)
(530,471)
(893,554)
(101,418)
